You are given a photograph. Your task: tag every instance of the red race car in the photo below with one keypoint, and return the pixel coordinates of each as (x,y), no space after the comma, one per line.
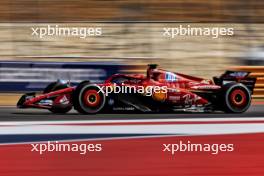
(157,91)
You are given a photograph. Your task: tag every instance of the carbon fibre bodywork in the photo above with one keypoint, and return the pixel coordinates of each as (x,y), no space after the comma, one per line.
(231,92)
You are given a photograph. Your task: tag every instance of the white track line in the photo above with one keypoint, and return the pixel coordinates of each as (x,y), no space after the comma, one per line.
(244,119)
(180,129)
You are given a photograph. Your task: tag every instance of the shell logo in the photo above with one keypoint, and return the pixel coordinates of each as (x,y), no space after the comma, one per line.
(159,96)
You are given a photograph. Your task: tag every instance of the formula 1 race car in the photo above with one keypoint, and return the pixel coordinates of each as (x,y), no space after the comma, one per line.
(157,91)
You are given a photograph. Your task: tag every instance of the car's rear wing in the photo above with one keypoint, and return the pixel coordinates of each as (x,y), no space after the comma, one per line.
(237,76)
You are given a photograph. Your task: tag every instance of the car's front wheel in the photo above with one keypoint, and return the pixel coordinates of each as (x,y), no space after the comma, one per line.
(88,99)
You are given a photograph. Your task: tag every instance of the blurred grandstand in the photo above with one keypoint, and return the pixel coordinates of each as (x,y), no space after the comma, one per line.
(198,55)
(133,33)
(239,11)
(141,41)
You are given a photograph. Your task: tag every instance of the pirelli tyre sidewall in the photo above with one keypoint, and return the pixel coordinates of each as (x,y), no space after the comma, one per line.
(87,98)
(236,98)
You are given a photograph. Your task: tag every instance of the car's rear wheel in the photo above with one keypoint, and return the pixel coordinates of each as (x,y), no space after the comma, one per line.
(236,98)
(88,99)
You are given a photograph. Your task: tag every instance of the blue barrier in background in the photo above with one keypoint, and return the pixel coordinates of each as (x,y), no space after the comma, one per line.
(35,76)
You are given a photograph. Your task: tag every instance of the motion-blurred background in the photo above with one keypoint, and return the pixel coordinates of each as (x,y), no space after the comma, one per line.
(132,33)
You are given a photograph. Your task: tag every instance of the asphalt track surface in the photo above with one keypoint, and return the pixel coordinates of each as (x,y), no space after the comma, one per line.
(14,114)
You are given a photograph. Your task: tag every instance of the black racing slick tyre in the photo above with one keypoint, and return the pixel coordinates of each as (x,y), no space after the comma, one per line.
(88,99)
(236,98)
(58,109)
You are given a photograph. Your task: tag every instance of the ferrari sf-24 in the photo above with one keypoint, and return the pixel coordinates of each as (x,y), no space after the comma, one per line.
(156,91)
